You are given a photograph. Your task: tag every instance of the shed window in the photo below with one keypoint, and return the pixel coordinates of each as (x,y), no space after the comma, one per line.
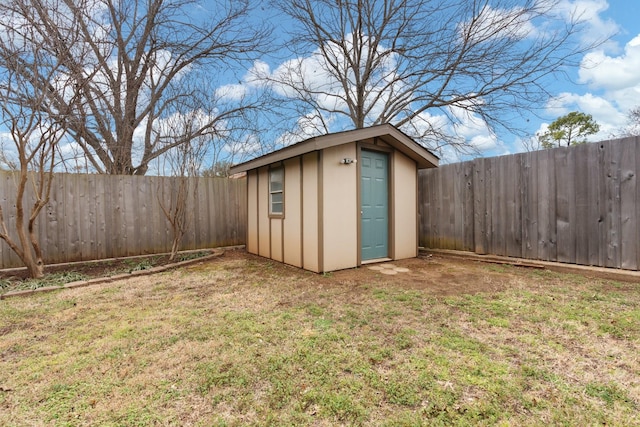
(276,191)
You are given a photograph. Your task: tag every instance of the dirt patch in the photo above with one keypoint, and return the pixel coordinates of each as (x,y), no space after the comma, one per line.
(437,274)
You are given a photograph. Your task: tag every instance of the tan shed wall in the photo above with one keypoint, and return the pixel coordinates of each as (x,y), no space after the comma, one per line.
(264,226)
(276,239)
(292,233)
(252,212)
(310,212)
(405,208)
(339,208)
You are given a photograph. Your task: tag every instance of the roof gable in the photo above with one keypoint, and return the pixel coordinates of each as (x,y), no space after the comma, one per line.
(386,132)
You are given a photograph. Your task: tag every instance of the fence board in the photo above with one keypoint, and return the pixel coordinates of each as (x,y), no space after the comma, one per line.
(427,215)
(596,202)
(479,207)
(467,210)
(564,183)
(576,205)
(457,197)
(422,209)
(581,203)
(82,203)
(493,188)
(436,209)
(513,236)
(208,191)
(5,185)
(218,227)
(99,198)
(440,218)
(145,194)
(200,214)
(544,197)
(628,202)
(612,156)
(55,227)
(73,227)
(529,205)
(637,152)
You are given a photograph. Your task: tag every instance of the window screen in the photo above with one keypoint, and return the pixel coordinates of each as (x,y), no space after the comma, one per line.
(276,191)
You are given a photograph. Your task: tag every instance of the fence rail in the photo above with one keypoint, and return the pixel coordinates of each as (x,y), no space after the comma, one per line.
(107,216)
(576,205)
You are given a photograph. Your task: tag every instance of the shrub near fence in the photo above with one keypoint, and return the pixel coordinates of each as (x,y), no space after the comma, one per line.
(106,216)
(575,205)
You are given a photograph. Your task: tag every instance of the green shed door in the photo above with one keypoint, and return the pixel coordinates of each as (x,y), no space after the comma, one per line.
(374,187)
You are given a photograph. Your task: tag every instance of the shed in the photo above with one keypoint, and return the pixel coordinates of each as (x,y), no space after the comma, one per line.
(336,201)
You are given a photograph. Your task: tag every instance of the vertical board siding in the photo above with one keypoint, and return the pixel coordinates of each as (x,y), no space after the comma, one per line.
(105,216)
(479,207)
(628,207)
(575,205)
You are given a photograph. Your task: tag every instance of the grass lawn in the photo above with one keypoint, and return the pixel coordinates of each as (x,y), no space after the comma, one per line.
(241,340)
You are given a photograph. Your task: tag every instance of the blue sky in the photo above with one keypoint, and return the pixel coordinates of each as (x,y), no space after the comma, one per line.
(607,83)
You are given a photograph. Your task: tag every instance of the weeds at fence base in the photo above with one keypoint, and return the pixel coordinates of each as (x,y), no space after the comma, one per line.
(60,275)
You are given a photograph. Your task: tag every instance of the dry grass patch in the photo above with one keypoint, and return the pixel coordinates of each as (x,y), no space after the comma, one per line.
(242,340)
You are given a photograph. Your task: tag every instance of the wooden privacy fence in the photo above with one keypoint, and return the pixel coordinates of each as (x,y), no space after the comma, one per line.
(106,216)
(576,205)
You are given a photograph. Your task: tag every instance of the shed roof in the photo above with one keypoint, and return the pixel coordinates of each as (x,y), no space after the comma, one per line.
(386,132)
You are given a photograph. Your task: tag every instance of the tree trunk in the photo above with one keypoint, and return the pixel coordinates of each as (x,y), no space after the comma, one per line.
(35,267)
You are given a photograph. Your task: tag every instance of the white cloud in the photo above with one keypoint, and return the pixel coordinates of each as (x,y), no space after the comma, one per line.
(232,92)
(307,126)
(589,13)
(499,23)
(256,73)
(253,79)
(312,75)
(615,89)
(484,142)
(604,111)
(239,150)
(456,125)
(610,73)
(8,154)
(69,149)
(321,74)
(473,129)
(583,10)
(600,70)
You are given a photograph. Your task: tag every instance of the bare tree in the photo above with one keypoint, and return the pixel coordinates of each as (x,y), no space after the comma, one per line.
(183,163)
(183,186)
(531,143)
(218,170)
(6,162)
(633,123)
(364,62)
(34,138)
(130,68)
